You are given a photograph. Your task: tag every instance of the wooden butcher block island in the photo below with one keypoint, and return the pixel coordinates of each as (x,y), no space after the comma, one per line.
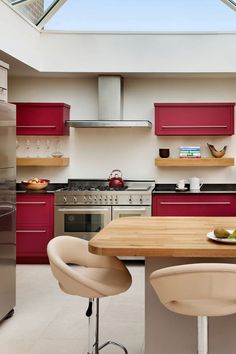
(163,237)
(167,241)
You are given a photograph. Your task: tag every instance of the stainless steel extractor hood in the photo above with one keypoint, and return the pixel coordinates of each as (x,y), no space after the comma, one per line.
(110,108)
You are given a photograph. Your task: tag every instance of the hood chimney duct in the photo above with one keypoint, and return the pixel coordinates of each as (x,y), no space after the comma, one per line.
(110,98)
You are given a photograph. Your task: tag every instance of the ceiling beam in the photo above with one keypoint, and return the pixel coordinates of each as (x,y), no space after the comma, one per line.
(49,12)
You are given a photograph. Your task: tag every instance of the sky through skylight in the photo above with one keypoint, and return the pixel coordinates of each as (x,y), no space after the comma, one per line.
(143,15)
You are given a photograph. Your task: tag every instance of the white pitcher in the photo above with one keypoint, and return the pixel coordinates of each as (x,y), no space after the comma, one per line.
(195,184)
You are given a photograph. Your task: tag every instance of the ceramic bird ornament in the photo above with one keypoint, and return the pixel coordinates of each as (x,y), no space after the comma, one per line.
(216,153)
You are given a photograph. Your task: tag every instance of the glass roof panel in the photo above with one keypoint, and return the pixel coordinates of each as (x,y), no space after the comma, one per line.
(143,15)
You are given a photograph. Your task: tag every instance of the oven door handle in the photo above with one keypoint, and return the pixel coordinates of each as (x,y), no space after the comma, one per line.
(127,209)
(83,210)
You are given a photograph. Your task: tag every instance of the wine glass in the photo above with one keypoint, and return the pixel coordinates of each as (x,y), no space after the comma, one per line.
(38,148)
(47,147)
(27,148)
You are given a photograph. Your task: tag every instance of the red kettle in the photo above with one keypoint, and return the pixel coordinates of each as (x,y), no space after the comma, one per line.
(116,180)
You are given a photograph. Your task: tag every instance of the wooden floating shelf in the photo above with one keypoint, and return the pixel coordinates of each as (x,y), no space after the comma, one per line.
(195,162)
(42,161)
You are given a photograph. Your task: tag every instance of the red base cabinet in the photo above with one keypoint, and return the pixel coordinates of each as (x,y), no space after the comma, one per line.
(42,118)
(194,118)
(34,227)
(194,205)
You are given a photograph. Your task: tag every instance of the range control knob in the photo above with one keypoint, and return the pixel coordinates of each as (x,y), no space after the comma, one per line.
(95,199)
(90,199)
(141,199)
(116,199)
(64,199)
(85,199)
(130,199)
(105,199)
(100,199)
(75,199)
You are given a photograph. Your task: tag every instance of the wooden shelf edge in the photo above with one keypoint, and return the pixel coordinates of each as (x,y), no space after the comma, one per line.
(195,162)
(42,161)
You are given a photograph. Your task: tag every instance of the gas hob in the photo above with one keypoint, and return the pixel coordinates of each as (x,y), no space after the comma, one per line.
(98,192)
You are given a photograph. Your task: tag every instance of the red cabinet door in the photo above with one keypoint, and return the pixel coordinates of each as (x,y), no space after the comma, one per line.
(33,242)
(34,227)
(194,118)
(34,209)
(194,205)
(42,118)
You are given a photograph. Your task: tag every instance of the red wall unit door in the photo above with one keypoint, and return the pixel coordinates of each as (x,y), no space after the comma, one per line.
(34,226)
(194,205)
(42,118)
(194,118)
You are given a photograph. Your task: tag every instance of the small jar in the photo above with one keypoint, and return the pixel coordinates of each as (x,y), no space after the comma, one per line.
(164,152)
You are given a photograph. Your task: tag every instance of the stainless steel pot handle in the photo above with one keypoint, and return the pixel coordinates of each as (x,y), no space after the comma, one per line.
(116,175)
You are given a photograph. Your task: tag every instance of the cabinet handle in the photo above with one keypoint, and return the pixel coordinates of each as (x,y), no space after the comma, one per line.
(38,231)
(35,203)
(82,210)
(36,126)
(194,203)
(193,126)
(131,210)
(3,88)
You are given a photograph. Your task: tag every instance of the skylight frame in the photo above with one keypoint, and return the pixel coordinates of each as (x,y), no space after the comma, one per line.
(48,13)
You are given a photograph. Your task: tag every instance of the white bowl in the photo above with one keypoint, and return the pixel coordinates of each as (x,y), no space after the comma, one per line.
(57,154)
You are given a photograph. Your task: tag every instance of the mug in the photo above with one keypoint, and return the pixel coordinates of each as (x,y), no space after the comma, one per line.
(181,184)
(195,183)
(164,153)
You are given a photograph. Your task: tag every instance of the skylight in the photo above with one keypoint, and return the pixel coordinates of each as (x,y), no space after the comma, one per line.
(135,15)
(143,15)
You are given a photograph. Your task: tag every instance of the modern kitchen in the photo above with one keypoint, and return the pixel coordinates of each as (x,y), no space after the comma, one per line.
(124,142)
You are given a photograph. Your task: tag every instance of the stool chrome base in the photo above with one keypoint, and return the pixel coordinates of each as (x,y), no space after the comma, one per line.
(95,347)
(202,335)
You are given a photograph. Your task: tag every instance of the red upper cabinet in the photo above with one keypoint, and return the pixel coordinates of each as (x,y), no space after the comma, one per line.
(194,118)
(42,118)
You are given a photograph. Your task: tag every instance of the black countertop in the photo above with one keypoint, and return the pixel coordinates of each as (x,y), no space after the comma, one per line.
(51,188)
(205,188)
(159,188)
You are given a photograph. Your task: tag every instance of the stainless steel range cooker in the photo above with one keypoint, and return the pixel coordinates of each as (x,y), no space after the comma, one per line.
(86,206)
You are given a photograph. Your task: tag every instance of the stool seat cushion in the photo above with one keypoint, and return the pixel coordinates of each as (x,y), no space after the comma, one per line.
(201,289)
(81,273)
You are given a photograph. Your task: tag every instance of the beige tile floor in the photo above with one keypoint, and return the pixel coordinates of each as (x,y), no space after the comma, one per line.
(47,321)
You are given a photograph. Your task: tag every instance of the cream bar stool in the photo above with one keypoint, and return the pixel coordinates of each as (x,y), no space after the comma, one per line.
(92,277)
(203,289)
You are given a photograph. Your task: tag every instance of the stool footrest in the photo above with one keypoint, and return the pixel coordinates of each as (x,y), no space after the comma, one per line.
(113,343)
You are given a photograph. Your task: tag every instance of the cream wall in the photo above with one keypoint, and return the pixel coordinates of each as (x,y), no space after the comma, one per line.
(95,152)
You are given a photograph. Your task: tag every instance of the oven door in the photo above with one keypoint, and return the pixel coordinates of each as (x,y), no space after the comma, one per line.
(126,211)
(81,221)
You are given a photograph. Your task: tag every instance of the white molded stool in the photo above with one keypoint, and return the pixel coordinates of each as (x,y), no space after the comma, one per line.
(201,289)
(84,274)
